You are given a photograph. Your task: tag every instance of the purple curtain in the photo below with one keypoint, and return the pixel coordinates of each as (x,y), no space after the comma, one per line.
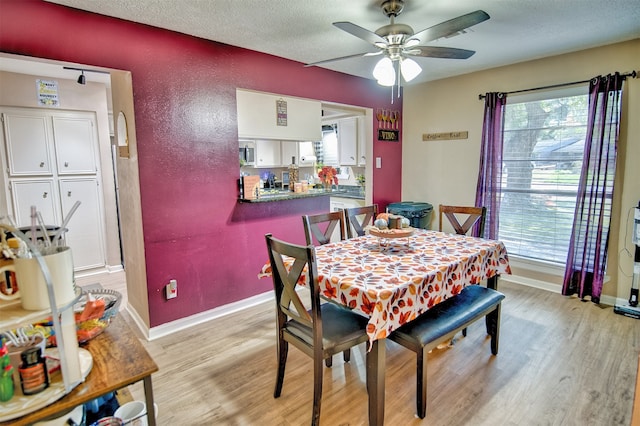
(587,255)
(489,189)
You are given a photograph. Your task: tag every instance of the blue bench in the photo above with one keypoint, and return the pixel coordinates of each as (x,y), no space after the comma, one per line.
(442,322)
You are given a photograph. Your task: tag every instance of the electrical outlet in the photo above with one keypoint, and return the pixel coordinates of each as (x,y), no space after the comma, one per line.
(171,289)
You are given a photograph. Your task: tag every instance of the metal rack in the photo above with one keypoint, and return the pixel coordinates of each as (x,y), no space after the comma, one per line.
(62,316)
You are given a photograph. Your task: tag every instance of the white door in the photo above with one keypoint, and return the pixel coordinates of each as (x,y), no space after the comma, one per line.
(85,235)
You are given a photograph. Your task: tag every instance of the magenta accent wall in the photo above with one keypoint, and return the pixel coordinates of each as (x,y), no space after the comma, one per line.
(184,95)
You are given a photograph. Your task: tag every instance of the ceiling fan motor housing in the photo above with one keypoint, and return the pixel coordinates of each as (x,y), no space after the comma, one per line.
(392,7)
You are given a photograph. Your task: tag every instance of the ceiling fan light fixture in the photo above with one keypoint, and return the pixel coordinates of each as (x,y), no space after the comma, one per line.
(384,72)
(411,42)
(410,69)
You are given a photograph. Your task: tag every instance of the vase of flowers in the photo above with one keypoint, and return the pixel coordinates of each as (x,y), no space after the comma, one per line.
(328,176)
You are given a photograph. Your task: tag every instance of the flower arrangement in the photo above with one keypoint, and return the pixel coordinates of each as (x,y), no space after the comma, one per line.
(328,175)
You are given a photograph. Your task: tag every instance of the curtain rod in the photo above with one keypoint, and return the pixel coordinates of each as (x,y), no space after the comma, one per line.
(631,74)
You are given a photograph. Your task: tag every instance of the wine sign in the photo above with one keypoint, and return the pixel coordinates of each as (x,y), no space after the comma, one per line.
(388,135)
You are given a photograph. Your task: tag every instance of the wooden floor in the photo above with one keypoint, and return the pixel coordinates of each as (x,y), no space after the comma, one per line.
(561,362)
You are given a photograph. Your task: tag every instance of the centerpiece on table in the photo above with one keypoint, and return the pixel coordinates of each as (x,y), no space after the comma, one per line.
(328,176)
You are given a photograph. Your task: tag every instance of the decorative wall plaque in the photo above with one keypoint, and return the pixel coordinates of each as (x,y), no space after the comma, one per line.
(388,135)
(281,111)
(445,136)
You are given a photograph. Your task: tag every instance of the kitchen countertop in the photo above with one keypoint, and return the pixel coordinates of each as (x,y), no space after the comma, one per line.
(268,195)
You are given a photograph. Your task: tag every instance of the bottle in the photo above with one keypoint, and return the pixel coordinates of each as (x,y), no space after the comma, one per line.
(34,376)
(6,373)
(293,174)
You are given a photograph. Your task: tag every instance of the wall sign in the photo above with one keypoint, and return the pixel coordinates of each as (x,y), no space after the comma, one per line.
(47,93)
(281,112)
(445,136)
(388,135)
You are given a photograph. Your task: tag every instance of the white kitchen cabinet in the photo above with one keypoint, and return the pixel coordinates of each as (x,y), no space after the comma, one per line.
(53,161)
(362,142)
(348,141)
(289,150)
(74,145)
(41,193)
(339,203)
(88,247)
(300,119)
(28,146)
(268,153)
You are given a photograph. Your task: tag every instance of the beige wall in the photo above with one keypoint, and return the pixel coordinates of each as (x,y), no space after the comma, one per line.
(19,90)
(445,172)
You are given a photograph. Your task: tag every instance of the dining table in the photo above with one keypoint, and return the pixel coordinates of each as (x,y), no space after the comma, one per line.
(392,280)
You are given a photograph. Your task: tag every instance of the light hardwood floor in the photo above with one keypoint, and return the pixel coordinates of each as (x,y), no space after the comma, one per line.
(561,362)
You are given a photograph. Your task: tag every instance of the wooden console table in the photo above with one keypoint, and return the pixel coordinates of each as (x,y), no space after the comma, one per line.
(119,360)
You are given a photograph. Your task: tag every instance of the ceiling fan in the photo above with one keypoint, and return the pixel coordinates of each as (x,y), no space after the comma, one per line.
(398,42)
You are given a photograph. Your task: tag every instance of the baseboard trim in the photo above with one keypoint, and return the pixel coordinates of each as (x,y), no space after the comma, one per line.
(199,318)
(556,288)
(221,311)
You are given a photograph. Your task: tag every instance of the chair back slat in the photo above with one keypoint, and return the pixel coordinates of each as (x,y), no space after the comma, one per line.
(473,215)
(329,221)
(288,301)
(357,218)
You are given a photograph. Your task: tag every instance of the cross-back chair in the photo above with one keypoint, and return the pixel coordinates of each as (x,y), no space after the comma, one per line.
(319,332)
(357,218)
(320,227)
(313,230)
(472,216)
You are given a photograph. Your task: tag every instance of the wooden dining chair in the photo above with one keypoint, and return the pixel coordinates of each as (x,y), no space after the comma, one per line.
(357,218)
(313,230)
(472,215)
(320,227)
(320,332)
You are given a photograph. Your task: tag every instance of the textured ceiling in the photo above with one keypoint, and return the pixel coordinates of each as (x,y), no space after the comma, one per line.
(302,30)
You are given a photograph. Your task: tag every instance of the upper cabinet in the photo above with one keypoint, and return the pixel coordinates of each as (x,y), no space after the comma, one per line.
(28,141)
(268,153)
(268,116)
(348,141)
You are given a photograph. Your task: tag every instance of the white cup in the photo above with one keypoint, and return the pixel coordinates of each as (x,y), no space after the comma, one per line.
(33,288)
(134,413)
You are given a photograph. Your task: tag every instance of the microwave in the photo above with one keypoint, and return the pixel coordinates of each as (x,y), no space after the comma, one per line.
(247,153)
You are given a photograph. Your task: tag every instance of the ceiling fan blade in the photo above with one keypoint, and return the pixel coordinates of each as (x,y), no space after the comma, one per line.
(440,52)
(342,57)
(360,32)
(451,27)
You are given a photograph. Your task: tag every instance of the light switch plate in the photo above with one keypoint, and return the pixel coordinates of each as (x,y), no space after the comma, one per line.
(378,162)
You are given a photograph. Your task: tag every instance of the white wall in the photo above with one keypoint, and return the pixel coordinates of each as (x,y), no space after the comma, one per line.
(445,172)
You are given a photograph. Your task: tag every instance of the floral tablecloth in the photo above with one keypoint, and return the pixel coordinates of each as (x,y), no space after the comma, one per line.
(392,281)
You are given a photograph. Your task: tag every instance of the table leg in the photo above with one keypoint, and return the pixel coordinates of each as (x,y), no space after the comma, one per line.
(492,283)
(376,359)
(148,395)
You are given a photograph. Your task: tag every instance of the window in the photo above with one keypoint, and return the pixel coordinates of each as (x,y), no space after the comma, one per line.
(542,160)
